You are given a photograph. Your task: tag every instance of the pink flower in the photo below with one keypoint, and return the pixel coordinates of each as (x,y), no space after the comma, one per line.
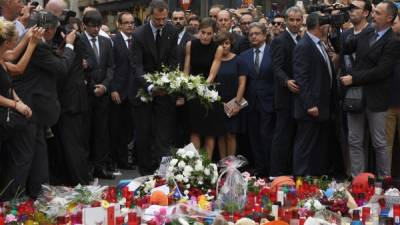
(10,218)
(261,182)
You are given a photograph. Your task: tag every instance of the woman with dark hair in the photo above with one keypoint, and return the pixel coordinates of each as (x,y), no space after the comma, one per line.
(203,58)
(231,81)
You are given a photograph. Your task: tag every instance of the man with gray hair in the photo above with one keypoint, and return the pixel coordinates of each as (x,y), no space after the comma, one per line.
(285,88)
(259,94)
(56,7)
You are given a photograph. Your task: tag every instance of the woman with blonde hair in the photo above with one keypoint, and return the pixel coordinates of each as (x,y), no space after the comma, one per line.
(9,100)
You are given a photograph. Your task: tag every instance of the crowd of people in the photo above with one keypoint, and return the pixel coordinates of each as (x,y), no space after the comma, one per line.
(299,96)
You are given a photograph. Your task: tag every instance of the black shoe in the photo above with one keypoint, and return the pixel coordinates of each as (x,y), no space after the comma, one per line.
(126,166)
(103,174)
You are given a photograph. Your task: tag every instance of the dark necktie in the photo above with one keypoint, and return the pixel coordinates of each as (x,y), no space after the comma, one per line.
(298,38)
(129,40)
(326,58)
(158,42)
(373,39)
(257,61)
(95,49)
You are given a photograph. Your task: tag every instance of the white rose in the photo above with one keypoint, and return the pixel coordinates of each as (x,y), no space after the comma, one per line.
(187,186)
(200,182)
(189,169)
(181,164)
(179,177)
(189,154)
(180,152)
(186,173)
(198,167)
(186,192)
(173,162)
(185,179)
(207,172)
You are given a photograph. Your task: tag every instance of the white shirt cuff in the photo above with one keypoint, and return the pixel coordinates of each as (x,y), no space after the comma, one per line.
(149,88)
(70,46)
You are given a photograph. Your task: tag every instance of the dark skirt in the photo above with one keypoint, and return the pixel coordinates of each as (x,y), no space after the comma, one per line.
(206,121)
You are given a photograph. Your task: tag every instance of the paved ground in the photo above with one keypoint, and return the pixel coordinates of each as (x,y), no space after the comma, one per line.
(126,175)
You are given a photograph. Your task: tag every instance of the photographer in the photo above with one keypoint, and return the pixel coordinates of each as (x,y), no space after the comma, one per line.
(377,52)
(67,152)
(37,88)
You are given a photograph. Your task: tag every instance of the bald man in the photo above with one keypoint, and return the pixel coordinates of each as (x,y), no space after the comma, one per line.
(224,23)
(56,7)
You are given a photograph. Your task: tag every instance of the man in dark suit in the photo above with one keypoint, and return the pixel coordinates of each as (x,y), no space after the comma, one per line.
(154,44)
(285,87)
(259,94)
(377,53)
(99,70)
(179,21)
(68,154)
(27,168)
(121,124)
(314,105)
(245,20)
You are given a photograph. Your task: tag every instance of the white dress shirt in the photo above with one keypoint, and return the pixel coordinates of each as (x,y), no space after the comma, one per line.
(261,54)
(91,42)
(126,39)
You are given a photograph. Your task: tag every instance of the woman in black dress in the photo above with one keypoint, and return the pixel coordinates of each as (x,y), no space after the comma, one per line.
(8,97)
(203,58)
(231,81)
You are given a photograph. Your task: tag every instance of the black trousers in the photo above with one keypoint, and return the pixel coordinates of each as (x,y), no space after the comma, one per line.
(69,162)
(282,143)
(121,130)
(260,130)
(312,151)
(97,130)
(155,125)
(27,165)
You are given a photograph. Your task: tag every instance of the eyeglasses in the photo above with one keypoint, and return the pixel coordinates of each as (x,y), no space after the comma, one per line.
(276,23)
(255,33)
(128,23)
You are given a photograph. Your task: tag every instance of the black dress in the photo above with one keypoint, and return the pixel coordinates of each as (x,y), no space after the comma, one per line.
(206,122)
(228,83)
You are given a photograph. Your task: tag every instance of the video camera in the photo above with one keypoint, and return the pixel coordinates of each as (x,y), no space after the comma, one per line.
(65,27)
(335,20)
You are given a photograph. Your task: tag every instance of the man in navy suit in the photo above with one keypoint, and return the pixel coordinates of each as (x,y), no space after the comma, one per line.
(259,94)
(314,105)
(120,108)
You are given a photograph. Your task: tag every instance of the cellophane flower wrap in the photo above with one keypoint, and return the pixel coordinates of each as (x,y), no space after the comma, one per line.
(231,195)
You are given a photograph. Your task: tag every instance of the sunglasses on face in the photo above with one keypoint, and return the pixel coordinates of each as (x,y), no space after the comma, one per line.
(277,23)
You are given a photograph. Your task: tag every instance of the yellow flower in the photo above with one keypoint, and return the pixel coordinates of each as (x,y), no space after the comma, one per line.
(105,204)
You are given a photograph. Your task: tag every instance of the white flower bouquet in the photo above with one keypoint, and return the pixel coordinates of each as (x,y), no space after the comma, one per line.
(177,83)
(191,171)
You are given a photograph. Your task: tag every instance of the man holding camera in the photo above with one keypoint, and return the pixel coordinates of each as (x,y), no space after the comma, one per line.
(377,52)
(37,87)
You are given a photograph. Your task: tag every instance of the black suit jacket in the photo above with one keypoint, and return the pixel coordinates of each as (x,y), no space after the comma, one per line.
(282,54)
(145,56)
(99,72)
(374,66)
(38,85)
(259,87)
(240,43)
(316,86)
(182,47)
(124,68)
(72,88)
